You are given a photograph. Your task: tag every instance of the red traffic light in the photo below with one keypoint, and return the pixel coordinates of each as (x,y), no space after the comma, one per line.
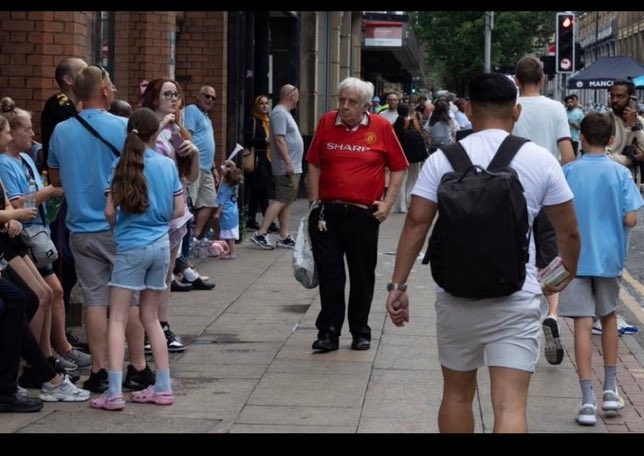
(568,21)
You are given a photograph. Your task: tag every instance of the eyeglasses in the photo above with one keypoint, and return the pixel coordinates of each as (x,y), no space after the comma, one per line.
(168,94)
(209,97)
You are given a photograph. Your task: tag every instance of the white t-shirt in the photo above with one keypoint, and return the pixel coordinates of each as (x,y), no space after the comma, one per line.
(543,121)
(540,174)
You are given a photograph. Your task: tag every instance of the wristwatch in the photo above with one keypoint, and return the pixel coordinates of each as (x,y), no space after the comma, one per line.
(396,286)
(637,127)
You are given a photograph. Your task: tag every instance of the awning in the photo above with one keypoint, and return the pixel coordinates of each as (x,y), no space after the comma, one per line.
(603,71)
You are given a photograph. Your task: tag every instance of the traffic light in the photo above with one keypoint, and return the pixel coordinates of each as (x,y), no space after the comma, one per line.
(565,38)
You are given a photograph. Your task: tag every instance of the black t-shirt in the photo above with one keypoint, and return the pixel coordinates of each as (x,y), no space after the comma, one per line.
(57,109)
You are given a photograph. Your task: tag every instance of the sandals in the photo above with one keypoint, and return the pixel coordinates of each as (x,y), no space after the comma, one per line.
(149,396)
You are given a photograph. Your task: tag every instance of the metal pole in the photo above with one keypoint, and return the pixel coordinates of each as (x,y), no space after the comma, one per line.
(489,25)
(596,47)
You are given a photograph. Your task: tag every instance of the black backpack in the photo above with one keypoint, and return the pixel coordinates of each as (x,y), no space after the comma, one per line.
(479,245)
(414,145)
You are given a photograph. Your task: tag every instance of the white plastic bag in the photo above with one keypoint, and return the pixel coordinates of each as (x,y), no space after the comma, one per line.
(303,265)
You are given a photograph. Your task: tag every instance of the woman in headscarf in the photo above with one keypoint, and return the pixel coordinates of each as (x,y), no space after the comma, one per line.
(258,182)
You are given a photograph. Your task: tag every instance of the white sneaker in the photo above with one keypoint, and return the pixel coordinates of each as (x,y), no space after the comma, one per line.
(65,391)
(625,328)
(612,401)
(587,415)
(597,328)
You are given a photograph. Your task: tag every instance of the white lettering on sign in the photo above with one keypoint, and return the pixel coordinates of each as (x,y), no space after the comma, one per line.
(599,84)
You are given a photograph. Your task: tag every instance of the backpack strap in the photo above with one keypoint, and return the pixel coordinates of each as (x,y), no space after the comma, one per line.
(507,150)
(457,157)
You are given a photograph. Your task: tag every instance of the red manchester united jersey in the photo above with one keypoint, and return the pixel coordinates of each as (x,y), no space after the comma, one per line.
(352,162)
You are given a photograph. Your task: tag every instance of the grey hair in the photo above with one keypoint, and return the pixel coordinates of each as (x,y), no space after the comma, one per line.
(364,88)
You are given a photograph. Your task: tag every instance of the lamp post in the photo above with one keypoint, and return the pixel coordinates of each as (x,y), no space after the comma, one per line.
(489,26)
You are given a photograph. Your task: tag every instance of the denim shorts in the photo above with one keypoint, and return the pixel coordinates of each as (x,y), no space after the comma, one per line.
(143,267)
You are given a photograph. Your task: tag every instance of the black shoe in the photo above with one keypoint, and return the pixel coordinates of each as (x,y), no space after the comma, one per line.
(17,403)
(252,225)
(180,286)
(174,344)
(138,380)
(76,343)
(56,364)
(273,229)
(97,382)
(199,284)
(360,343)
(326,344)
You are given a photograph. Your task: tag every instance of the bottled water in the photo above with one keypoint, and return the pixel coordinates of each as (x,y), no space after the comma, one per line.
(30,197)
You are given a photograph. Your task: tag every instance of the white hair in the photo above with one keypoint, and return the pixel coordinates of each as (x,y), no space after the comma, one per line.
(364,88)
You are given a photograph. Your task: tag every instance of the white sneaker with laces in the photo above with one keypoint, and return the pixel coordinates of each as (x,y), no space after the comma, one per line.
(612,401)
(587,415)
(64,391)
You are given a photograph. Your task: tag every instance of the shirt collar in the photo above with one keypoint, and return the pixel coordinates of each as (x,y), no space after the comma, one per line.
(363,122)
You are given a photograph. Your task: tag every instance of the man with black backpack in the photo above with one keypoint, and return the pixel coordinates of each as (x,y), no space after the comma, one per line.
(488,310)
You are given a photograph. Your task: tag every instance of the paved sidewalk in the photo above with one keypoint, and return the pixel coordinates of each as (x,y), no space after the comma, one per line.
(249,367)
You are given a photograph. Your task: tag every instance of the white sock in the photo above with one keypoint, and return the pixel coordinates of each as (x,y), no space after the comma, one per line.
(190,275)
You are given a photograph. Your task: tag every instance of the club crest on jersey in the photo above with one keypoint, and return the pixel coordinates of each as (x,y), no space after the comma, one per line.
(370,137)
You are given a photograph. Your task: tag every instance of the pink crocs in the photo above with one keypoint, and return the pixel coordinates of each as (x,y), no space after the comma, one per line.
(148,396)
(106,402)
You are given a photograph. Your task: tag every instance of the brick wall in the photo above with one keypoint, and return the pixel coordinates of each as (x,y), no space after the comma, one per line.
(201,59)
(31,44)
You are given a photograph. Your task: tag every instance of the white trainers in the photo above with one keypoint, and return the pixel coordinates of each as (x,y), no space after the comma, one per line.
(625,328)
(587,415)
(622,327)
(65,391)
(612,401)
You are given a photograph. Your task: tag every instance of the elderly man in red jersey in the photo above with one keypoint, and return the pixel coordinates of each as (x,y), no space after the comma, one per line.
(348,160)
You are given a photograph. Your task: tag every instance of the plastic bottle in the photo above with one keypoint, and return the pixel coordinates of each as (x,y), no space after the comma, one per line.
(30,197)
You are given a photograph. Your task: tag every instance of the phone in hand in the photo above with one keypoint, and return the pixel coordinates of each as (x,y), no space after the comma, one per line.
(633,103)
(176,140)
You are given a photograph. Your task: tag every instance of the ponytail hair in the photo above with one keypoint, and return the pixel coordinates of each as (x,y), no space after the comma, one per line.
(129,188)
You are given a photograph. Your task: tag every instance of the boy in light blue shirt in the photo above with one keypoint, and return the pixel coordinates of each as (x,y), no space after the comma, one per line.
(606,199)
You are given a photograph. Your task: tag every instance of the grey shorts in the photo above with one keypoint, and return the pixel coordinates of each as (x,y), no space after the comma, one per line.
(497,332)
(590,297)
(143,268)
(94,255)
(202,191)
(286,187)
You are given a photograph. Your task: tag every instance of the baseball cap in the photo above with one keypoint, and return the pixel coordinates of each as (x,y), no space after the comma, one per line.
(376,98)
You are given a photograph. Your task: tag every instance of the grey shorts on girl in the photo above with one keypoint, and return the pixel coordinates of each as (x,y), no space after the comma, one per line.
(495,332)
(143,267)
(590,297)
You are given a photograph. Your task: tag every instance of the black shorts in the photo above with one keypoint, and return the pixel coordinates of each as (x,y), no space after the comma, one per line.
(11,247)
(545,240)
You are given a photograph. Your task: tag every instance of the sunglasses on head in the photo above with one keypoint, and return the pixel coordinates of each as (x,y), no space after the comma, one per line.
(103,72)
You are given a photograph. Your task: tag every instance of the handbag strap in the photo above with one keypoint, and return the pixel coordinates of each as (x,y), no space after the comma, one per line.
(93,131)
(32,175)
